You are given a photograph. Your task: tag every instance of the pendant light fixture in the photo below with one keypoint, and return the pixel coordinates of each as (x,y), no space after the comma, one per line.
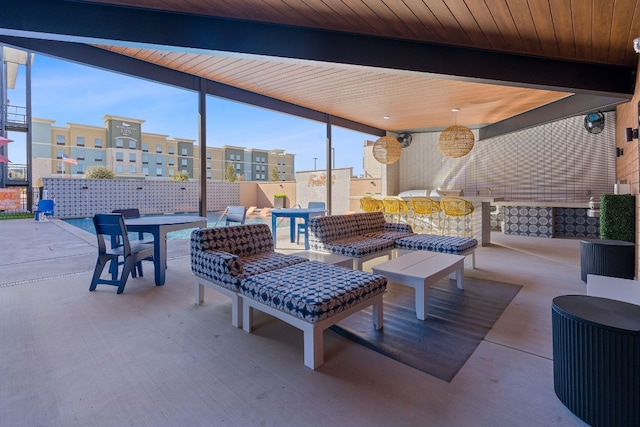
(456,141)
(387,150)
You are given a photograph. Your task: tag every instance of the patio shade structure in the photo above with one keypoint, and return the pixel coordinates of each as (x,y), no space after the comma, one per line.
(4,141)
(3,159)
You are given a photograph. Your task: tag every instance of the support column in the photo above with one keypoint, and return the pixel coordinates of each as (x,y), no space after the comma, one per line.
(202,136)
(329,170)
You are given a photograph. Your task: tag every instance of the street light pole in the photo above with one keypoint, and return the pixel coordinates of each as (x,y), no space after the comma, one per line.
(315,163)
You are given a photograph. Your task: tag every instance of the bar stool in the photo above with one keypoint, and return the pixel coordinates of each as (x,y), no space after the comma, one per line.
(369,204)
(455,208)
(394,208)
(427,210)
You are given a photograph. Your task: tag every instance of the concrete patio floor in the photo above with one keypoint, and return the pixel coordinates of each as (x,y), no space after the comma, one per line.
(151,357)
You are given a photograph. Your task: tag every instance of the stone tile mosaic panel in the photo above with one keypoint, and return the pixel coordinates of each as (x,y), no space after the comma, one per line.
(574,222)
(528,221)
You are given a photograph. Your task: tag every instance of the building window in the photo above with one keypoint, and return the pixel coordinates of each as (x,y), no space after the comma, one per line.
(184,162)
(132,169)
(172,150)
(80,141)
(170,161)
(238,166)
(59,153)
(119,169)
(158,171)
(145,158)
(80,155)
(98,156)
(158,160)
(59,168)
(60,139)
(208,175)
(132,157)
(97,142)
(145,147)
(145,171)
(232,156)
(172,172)
(209,155)
(208,165)
(133,144)
(159,148)
(119,156)
(119,143)
(184,151)
(80,168)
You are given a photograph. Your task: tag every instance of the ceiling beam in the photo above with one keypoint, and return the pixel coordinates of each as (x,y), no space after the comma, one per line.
(49,19)
(110,61)
(567,107)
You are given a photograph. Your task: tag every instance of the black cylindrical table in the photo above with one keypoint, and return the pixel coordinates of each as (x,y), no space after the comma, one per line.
(596,359)
(614,258)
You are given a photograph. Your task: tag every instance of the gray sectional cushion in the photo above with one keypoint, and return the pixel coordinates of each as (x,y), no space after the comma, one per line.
(313,291)
(436,243)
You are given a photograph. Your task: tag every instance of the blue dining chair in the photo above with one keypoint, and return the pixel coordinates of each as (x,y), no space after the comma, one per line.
(133,213)
(302,227)
(112,226)
(45,207)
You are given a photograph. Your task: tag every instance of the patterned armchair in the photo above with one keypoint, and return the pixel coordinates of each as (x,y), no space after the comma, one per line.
(222,257)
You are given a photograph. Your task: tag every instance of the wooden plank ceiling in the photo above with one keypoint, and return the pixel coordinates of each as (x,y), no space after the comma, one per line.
(599,31)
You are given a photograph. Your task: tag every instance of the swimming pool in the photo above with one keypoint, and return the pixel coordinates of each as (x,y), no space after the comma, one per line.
(214,219)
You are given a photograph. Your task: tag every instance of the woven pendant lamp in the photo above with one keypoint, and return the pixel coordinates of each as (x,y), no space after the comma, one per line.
(387,150)
(456,141)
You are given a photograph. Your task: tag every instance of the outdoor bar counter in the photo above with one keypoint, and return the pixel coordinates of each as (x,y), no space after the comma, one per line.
(481,215)
(548,219)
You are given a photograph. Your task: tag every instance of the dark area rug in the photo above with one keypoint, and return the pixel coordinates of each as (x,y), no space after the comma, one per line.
(440,345)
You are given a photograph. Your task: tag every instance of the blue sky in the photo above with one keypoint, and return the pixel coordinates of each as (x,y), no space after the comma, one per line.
(71,93)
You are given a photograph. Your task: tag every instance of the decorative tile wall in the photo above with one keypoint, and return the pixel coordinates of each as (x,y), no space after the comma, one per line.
(574,222)
(528,221)
(550,222)
(81,198)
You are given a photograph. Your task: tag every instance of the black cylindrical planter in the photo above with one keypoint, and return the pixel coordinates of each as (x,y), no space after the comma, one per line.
(596,359)
(614,258)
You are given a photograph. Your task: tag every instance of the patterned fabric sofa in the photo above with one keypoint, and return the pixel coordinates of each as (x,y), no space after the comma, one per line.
(222,257)
(312,296)
(362,236)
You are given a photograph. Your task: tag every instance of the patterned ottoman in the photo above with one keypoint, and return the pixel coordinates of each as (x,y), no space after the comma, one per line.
(444,244)
(312,296)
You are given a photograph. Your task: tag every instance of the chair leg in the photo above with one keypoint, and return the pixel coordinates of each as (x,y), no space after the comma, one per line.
(139,267)
(129,265)
(97,272)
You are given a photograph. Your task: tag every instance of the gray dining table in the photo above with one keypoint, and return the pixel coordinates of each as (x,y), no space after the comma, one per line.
(159,226)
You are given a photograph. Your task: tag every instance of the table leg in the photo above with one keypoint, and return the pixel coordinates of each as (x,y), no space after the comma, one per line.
(160,256)
(421,302)
(292,229)
(306,233)
(274,228)
(460,277)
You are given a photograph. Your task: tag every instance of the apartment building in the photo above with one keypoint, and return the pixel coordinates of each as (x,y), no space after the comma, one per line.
(123,147)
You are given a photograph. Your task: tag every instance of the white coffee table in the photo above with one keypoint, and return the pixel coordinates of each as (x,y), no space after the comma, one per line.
(328,258)
(419,270)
